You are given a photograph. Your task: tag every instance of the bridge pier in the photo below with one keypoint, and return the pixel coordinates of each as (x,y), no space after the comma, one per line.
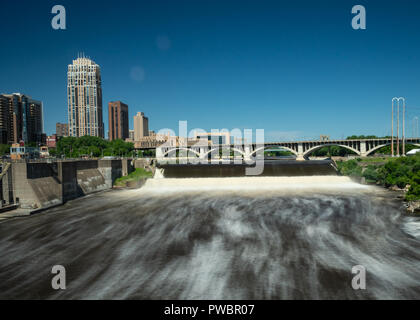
(159,153)
(363,149)
(247,155)
(203,152)
(300,154)
(300,157)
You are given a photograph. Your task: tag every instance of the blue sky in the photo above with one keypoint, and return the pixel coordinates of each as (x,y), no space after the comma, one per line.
(294,68)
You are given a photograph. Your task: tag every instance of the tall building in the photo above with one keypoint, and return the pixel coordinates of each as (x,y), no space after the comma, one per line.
(118,120)
(4,120)
(131,135)
(34,126)
(62,129)
(84,96)
(141,126)
(22,118)
(11,110)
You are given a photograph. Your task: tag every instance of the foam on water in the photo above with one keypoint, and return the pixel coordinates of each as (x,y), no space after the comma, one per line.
(252,184)
(412,227)
(224,238)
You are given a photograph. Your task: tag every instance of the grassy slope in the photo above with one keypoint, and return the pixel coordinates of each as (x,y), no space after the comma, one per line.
(136,175)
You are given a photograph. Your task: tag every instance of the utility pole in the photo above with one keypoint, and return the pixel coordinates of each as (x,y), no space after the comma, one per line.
(392,129)
(398,129)
(398,100)
(403,132)
(415,127)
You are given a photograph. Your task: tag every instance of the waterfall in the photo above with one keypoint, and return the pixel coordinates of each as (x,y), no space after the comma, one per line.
(217,238)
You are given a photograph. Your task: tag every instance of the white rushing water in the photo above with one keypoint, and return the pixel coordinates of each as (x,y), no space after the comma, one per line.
(252,184)
(221,238)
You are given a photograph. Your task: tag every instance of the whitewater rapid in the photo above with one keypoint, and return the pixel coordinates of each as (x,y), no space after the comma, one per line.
(223,238)
(255,185)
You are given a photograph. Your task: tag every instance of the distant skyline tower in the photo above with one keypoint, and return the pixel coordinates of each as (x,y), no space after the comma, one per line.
(84,97)
(141,126)
(62,129)
(118,120)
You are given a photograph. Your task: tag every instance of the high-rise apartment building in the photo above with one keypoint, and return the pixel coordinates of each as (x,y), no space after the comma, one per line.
(62,129)
(141,126)
(84,96)
(34,126)
(21,119)
(118,120)
(4,120)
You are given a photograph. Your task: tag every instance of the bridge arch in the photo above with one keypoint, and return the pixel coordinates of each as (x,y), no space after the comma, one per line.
(388,144)
(231,149)
(272,147)
(309,151)
(180,148)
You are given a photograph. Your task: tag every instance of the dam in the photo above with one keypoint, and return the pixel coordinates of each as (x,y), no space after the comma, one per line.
(185,236)
(285,168)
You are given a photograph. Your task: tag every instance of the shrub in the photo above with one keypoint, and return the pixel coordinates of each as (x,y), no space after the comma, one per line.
(136,175)
(414,192)
(371,174)
(402,182)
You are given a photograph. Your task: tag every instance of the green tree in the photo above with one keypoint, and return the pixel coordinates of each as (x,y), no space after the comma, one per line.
(370,174)
(4,149)
(332,151)
(92,146)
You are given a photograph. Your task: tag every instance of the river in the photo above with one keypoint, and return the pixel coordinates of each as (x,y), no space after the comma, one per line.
(217,238)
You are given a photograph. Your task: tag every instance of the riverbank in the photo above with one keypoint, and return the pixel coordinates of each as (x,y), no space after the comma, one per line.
(400,175)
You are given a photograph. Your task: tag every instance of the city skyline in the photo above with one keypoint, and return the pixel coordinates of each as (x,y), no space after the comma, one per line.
(295,70)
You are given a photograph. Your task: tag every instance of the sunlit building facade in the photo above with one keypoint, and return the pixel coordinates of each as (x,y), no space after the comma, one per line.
(141,126)
(62,129)
(84,92)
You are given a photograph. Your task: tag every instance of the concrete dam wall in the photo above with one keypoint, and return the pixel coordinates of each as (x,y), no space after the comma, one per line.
(41,184)
(283,168)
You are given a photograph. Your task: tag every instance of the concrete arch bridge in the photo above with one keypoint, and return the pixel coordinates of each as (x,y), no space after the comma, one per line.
(301,149)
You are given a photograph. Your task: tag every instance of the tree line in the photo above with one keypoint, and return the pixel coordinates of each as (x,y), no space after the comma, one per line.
(72,147)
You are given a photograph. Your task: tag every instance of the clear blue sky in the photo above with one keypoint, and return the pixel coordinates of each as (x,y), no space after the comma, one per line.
(294,68)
